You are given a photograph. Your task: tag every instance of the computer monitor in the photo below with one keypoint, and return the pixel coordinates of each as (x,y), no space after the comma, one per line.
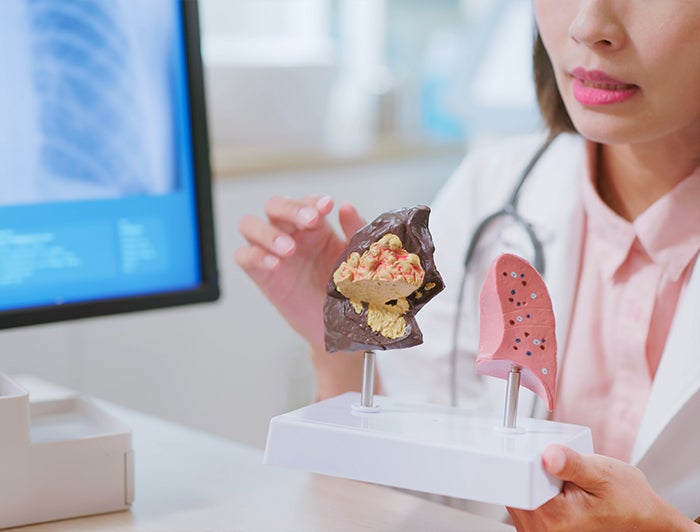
(105,188)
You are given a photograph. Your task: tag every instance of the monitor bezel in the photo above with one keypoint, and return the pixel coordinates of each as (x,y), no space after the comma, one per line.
(208,289)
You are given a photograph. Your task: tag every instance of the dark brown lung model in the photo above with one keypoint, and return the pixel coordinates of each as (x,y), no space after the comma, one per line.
(348,330)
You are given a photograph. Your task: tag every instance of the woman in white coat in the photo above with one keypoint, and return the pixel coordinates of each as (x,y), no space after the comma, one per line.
(613,202)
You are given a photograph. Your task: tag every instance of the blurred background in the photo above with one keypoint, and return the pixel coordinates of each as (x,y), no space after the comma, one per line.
(371,101)
(313,81)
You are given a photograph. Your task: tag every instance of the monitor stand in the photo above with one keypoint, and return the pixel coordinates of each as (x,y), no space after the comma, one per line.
(422,447)
(60,458)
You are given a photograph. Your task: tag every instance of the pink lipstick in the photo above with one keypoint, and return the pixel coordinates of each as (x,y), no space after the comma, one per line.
(592,87)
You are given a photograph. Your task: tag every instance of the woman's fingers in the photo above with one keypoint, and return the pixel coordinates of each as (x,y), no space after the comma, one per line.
(321,202)
(287,217)
(586,471)
(291,215)
(350,220)
(268,237)
(256,262)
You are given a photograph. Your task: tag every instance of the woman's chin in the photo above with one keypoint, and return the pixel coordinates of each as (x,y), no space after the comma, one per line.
(609,131)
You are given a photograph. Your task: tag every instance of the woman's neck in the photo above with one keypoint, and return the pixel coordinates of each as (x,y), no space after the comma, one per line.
(632,177)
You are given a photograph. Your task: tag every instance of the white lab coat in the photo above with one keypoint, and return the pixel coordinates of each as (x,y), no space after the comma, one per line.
(667,447)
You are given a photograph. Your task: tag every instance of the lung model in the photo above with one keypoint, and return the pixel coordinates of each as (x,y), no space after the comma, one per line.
(385,276)
(517,327)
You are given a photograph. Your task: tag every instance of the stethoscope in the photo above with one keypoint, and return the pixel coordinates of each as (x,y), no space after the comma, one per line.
(509,210)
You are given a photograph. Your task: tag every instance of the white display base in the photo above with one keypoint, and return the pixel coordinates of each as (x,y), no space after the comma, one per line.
(429,448)
(60,458)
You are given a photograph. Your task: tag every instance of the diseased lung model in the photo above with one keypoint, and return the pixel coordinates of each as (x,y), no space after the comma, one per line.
(382,280)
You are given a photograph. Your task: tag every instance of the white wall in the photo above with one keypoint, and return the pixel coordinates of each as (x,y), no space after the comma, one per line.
(225,367)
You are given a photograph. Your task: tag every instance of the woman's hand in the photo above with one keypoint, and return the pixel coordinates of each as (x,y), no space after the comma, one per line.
(599,493)
(290,256)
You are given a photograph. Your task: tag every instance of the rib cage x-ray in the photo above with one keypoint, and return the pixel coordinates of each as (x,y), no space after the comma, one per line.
(86,103)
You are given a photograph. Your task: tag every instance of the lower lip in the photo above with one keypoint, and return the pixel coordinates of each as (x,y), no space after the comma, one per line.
(588,95)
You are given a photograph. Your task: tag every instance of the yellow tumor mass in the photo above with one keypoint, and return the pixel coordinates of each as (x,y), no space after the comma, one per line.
(388,320)
(378,277)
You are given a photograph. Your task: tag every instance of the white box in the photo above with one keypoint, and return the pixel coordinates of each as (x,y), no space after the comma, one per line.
(430,448)
(60,458)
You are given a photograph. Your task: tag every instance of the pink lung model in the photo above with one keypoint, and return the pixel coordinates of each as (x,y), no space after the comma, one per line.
(517,327)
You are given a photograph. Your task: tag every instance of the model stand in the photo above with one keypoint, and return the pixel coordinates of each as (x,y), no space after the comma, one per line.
(435,449)
(60,458)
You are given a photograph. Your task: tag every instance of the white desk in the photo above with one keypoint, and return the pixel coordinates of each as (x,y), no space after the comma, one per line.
(188,481)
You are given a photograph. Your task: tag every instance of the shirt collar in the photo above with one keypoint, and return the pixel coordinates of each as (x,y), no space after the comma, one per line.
(668,230)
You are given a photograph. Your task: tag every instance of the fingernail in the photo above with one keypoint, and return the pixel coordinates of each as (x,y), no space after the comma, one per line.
(283,244)
(323,202)
(307,215)
(270,262)
(554,459)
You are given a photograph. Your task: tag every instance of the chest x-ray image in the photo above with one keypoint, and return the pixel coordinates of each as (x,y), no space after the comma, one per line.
(86,99)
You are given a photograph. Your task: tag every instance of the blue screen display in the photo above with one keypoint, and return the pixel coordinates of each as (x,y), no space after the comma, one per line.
(97,190)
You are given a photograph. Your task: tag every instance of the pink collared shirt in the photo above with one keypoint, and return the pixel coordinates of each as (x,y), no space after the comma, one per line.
(632,277)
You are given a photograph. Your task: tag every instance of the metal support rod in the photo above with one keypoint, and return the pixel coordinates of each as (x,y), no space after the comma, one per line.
(367,399)
(512,389)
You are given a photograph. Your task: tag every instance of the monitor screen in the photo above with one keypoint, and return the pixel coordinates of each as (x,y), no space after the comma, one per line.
(105,197)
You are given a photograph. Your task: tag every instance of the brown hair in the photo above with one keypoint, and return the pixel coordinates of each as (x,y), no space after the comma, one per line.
(551,105)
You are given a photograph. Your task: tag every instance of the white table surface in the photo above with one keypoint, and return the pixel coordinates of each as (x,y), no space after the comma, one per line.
(190,481)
